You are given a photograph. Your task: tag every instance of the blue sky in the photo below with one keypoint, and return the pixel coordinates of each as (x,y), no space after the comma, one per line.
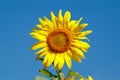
(17,17)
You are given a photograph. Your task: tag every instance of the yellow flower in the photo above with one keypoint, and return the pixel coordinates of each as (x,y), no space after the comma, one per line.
(60,40)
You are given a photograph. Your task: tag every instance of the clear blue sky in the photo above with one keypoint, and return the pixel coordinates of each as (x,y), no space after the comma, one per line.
(17,17)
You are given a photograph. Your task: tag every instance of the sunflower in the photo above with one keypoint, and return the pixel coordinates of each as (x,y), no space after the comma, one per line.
(60,40)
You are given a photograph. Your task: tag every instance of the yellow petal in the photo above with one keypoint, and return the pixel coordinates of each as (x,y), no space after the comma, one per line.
(46,58)
(84,49)
(71,25)
(81,43)
(77,23)
(83,25)
(44,24)
(60,17)
(68,60)
(85,44)
(56,66)
(35,30)
(81,38)
(57,56)
(53,18)
(41,27)
(50,26)
(90,78)
(38,36)
(84,38)
(41,21)
(38,45)
(42,50)
(50,59)
(61,61)
(44,32)
(66,20)
(69,53)
(40,31)
(80,27)
(79,47)
(84,33)
(77,52)
(76,58)
(40,55)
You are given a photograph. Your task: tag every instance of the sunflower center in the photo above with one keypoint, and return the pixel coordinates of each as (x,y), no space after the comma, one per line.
(59,40)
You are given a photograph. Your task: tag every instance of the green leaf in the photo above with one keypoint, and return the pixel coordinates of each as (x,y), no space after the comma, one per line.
(75,74)
(47,73)
(40,78)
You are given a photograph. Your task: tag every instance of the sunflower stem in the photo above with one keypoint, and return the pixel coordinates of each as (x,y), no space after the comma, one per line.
(59,74)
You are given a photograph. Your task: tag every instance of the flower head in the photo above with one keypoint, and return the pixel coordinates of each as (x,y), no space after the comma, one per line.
(60,40)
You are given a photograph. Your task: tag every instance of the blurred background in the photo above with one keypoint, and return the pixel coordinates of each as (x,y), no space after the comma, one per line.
(18,17)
